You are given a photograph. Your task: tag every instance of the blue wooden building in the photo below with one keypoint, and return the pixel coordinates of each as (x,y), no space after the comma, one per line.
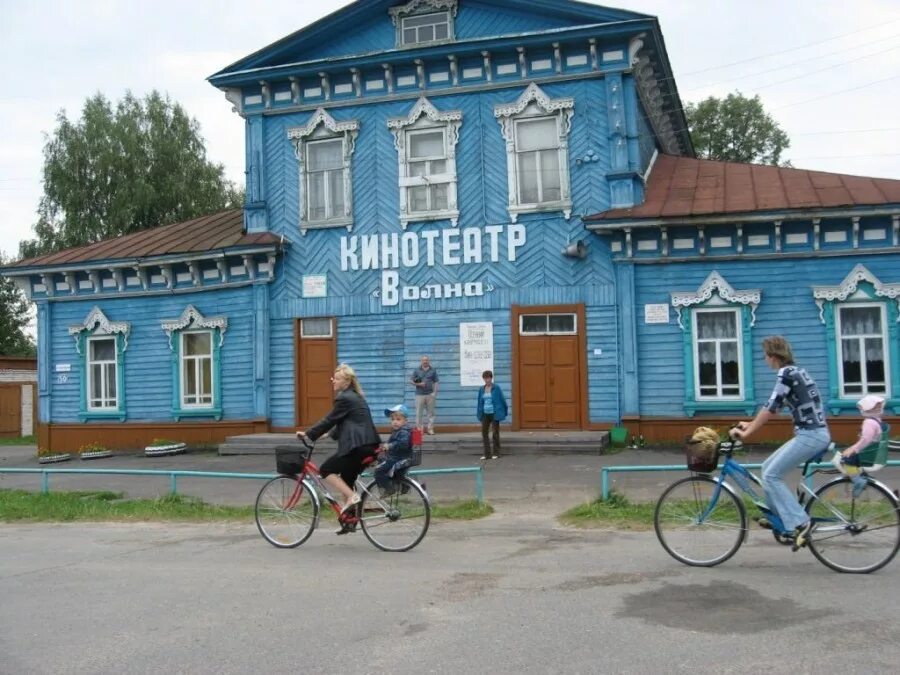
(497,185)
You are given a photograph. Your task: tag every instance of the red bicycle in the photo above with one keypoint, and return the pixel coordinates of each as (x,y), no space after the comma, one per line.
(288,506)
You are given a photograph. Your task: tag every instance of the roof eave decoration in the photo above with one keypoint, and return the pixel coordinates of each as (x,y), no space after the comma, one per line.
(96,322)
(715,283)
(653,90)
(191,317)
(422,7)
(850,285)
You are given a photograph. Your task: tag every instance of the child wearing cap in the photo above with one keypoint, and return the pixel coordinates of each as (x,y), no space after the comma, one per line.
(871,408)
(398,449)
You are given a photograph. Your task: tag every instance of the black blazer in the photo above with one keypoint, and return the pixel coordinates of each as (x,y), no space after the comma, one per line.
(352,422)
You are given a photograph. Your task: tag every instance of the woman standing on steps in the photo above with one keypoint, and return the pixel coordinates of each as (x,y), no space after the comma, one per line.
(490,410)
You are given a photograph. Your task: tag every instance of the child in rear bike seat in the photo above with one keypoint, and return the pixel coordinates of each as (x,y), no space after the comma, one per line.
(871,407)
(397,451)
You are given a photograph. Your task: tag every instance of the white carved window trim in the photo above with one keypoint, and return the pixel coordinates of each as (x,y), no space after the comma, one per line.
(534,104)
(322,126)
(420,8)
(425,117)
(192,319)
(713,308)
(715,283)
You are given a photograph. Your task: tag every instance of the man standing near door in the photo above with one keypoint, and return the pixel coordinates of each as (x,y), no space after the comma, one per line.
(425,380)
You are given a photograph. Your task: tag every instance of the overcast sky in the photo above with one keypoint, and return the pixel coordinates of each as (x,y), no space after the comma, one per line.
(827,70)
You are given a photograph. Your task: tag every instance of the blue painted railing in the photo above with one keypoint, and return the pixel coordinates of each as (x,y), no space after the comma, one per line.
(606,470)
(175,474)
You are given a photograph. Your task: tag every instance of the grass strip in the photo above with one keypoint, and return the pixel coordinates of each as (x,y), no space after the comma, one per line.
(616,512)
(469,509)
(21,440)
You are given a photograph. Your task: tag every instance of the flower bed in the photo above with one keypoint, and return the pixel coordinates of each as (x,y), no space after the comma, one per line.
(54,458)
(162,449)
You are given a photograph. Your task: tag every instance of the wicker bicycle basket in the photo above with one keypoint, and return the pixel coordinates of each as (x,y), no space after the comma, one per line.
(289,460)
(702,457)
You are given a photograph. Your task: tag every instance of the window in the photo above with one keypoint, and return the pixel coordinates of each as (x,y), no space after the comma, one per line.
(102,369)
(536,129)
(196,342)
(324,150)
(862,331)
(547,324)
(196,369)
(717,346)
(315,328)
(426,149)
(863,354)
(423,21)
(716,323)
(425,28)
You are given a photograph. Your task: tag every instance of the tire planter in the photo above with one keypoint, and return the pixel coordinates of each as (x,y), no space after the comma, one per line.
(163,450)
(96,454)
(53,459)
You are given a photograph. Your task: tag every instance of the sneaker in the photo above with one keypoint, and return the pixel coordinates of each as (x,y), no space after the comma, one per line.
(353,501)
(764,523)
(483,457)
(801,535)
(430,432)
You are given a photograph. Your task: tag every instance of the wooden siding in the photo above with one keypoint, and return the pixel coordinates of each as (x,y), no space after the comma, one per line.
(787,308)
(148,366)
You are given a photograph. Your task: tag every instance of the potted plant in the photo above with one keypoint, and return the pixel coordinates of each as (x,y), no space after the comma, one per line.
(48,456)
(94,451)
(163,446)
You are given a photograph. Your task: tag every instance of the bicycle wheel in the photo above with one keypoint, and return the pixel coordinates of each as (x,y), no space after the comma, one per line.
(856,533)
(287,511)
(695,530)
(397,522)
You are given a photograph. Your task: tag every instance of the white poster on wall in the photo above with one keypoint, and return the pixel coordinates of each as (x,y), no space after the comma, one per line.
(476,352)
(656,313)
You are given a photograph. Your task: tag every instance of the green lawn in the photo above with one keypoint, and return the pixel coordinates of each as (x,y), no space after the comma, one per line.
(21,440)
(616,512)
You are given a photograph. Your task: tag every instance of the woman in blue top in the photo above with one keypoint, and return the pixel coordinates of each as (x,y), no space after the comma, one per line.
(491,410)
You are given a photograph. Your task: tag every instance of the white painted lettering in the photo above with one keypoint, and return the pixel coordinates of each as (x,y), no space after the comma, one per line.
(370,252)
(349,259)
(389,282)
(453,290)
(390,250)
(515,237)
(434,290)
(429,236)
(410,292)
(474,288)
(471,241)
(493,233)
(409,249)
(450,246)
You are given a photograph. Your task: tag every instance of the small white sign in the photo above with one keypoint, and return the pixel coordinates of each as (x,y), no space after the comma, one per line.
(315,286)
(476,352)
(598,352)
(656,313)
(63,367)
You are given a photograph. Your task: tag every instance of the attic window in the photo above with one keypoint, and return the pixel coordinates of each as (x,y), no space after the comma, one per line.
(424,21)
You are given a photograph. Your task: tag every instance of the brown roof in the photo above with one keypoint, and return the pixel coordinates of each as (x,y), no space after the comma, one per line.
(207,233)
(680,187)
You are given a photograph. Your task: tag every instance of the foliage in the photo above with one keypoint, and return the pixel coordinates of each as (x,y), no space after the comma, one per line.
(469,509)
(162,442)
(14,315)
(616,512)
(47,452)
(123,169)
(19,505)
(736,129)
(21,440)
(91,447)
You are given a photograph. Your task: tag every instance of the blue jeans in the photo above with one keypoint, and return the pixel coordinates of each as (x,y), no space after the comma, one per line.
(805,444)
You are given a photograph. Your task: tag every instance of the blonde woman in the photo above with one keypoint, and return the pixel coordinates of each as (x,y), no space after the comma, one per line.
(354,431)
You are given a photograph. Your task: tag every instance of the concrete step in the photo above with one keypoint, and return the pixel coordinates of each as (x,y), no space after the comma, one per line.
(468,443)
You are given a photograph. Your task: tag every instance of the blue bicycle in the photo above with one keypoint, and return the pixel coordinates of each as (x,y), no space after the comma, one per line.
(702,521)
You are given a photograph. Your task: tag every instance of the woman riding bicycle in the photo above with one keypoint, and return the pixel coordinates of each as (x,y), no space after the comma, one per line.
(354,431)
(795,389)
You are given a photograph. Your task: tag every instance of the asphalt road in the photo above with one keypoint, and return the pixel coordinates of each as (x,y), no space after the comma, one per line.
(512,593)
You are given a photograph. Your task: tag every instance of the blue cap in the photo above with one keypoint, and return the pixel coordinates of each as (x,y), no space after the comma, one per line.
(399,408)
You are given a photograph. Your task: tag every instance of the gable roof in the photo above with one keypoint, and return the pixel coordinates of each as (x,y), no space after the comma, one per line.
(224,230)
(362,12)
(684,187)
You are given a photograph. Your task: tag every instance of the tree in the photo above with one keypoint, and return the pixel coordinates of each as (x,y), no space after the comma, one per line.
(117,171)
(735,129)
(14,316)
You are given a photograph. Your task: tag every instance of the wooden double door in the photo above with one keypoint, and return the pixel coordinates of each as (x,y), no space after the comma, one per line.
(550,379)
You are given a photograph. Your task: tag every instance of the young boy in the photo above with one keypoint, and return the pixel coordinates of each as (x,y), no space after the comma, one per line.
(871,408)
(397,451)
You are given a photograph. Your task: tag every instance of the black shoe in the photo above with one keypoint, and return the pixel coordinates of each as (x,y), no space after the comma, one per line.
(801,535)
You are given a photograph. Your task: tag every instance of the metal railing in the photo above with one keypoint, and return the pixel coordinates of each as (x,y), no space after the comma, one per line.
(174,475)
(606,470)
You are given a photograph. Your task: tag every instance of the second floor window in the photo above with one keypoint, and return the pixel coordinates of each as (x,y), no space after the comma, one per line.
(427,171)
(537,161)
(324,180)
(425,28)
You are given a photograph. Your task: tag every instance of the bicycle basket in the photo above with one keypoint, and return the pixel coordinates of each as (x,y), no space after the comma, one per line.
(289,460)
(702,456)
